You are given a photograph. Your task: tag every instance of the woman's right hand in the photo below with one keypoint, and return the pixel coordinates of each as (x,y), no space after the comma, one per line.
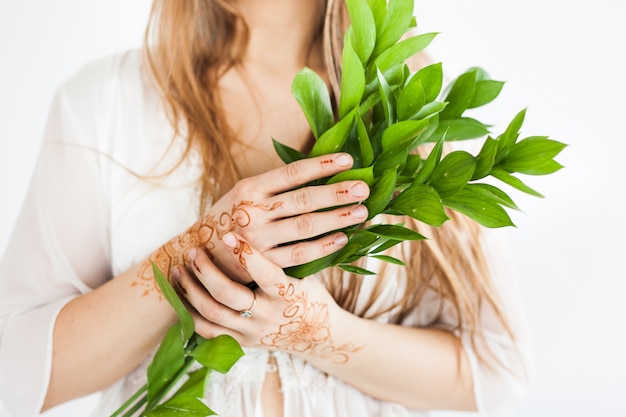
(272,211)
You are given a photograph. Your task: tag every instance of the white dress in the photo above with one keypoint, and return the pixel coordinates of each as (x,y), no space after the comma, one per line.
(87,218)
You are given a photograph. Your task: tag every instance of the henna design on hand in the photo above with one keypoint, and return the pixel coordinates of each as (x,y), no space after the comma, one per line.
(240,249)
(307,329)
(201,234)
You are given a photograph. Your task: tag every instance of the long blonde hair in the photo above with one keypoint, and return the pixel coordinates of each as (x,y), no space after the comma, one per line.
(188,46)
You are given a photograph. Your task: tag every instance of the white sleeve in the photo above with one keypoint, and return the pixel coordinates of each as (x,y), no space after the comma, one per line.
(58,248)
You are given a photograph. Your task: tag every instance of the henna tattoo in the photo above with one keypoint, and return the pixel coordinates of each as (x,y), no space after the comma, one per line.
(328,244)
(201,234)
(240,249)
(307,329)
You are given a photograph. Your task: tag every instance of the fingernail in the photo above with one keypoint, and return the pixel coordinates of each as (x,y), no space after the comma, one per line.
(343,160)
(341,240)
(359,190)
(359,212)
(192,254)
(230,240)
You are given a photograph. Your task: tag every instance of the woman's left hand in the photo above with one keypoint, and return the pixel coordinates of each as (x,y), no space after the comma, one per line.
(283,313)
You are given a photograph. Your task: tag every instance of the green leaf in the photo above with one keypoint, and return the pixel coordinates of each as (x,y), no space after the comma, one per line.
(478,208)
(170,295)
(403,50)
(411,99)
(392,22)
(379,11)
(356,269)
(334,138)
(219,353)
(362,174)
(493,193)
(460,96)
(352,80)
(453,173)
(381,192)
(421,202)
(431,162)
(195,384)
(509,137)
(168,361)
(358,243)
(486,91)
(384,245)
(533,156)
(363,28)
(311,268)
(310,90)
(365,145)
(387,98)
(413,163)
(394,231)
(513,182)
(392,159)
(389,259)
(431,78)
(459,129)
(401,134)
(430,110)
(181,406)
(485,159)
(287,154)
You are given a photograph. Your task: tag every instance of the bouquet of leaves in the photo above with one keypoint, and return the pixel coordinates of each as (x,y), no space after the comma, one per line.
(385,111)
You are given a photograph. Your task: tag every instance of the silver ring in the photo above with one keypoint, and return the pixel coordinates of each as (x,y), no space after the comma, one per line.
(246,314)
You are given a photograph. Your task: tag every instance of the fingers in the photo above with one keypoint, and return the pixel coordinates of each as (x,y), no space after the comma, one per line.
(301,172)
(262,270)
(303,252)
(309,199)
(221,288)
(313,224)
(205,311)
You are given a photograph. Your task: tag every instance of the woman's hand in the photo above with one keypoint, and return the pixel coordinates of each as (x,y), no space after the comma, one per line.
(273,209)
(300,317)
(283,313)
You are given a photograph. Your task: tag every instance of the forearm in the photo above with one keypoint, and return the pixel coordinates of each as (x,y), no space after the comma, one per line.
(417,367)
(101,336)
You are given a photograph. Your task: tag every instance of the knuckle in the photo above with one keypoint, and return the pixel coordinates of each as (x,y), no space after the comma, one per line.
(211,313)
(302,199)
(293,173)
(224,296)
(245,187)
(298,254)
(304,225)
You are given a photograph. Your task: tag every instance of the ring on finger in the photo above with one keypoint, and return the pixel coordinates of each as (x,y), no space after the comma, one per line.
(246,314)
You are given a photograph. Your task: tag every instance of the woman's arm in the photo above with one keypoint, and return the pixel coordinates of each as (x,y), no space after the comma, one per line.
(111,329)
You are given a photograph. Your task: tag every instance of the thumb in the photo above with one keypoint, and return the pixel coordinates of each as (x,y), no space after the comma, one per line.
(261,270)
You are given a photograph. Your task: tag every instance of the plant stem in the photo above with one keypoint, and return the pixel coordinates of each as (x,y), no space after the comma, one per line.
(131,400)
(137,406)
(189,361)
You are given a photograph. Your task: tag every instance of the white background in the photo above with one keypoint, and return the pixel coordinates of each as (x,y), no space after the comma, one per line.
(564,60)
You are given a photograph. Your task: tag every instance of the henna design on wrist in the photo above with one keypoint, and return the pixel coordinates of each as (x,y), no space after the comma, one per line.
(307,329)
(201,234)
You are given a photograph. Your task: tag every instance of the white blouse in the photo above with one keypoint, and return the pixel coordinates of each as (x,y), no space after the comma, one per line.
(88,217)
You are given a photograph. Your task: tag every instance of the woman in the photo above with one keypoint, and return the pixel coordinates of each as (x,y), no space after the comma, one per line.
(140,147)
